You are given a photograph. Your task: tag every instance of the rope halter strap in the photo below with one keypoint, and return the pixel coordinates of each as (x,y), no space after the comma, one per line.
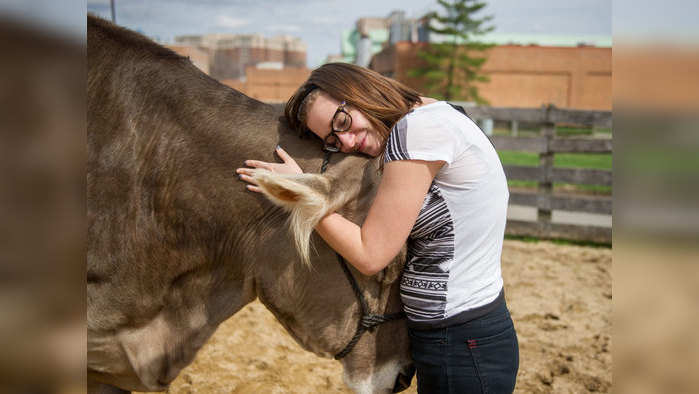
(368,321)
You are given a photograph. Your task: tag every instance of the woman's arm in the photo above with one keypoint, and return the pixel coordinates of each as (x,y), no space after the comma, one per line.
(371,247)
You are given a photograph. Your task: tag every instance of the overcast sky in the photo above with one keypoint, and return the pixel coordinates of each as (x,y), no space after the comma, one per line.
(319,23)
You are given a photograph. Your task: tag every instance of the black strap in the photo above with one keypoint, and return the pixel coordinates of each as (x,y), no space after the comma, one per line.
(326,160)
(459,108)
(368,321)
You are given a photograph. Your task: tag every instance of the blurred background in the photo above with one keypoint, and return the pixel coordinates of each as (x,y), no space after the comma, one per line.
(656,180)
(42,203)
(253,46)
(540,77)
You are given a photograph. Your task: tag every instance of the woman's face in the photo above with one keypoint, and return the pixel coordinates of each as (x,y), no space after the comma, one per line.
(361,136)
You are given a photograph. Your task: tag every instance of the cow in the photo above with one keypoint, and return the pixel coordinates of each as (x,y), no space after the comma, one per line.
(176,244)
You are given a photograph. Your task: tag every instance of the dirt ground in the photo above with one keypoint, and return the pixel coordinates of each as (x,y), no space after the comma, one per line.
(560,297)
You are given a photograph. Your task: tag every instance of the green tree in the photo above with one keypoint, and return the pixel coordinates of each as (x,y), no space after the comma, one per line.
(451,68)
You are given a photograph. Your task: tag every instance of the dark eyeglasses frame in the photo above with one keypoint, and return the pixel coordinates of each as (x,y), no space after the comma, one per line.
(328,147)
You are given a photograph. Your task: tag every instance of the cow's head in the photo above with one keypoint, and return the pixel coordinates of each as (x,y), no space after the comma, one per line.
(314,300)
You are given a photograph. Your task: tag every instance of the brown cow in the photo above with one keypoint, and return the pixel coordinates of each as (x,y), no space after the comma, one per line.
(176,245)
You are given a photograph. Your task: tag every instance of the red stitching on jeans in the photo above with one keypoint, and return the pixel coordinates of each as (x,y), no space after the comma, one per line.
(472,344)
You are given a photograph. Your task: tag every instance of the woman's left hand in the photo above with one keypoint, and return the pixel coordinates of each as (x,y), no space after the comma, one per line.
(288,166)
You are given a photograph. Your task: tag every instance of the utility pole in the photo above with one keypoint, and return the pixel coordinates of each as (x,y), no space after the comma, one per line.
(111,2)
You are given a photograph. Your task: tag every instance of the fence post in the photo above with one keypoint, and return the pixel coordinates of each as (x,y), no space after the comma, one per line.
(545,185)
(486,124)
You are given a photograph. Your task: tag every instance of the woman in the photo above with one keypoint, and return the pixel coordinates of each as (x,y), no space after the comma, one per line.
(444,192)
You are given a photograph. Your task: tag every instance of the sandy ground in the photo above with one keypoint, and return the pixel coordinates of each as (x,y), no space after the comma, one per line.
(561,302)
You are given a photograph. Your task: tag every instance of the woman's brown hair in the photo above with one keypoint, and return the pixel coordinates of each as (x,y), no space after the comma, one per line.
(383,101)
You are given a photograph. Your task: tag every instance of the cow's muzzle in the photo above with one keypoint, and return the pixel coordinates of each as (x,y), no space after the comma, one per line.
(404,378)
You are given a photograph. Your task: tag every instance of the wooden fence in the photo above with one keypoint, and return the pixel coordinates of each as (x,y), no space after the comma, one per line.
(547,145)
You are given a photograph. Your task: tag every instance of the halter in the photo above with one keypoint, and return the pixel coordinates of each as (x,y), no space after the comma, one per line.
(368,321)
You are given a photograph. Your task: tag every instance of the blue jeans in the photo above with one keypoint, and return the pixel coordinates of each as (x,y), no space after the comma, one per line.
(479,356)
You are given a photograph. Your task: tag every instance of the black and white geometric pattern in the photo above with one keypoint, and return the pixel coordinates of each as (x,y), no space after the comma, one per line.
(395,146)
(430,253)
(430,246)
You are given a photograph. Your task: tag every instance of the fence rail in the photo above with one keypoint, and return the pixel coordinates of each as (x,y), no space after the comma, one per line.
(564,175)
(558,145)
(546,145)
(544,114)
(591,204)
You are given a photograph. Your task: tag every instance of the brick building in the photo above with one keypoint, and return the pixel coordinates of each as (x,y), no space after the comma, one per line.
(524,75)
(526,70)
(229,55)
(268,84)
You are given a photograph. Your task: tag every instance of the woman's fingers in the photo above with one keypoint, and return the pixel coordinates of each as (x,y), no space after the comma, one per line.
(283,155)
(247,178)
(244,171)
(290,166)
(245,174)
(257,164)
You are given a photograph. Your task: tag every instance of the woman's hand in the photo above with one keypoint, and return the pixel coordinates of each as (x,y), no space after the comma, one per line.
(288,166)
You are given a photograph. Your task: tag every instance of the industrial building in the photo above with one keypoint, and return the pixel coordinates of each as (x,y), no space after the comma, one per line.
(228,55)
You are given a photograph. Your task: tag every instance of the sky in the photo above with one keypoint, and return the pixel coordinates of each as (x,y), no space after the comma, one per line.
(319,23)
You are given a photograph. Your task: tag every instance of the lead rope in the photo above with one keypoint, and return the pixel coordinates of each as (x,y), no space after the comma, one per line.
(326,160)
(368,321)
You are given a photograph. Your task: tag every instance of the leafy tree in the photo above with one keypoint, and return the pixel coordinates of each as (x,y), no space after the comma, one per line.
(452,67)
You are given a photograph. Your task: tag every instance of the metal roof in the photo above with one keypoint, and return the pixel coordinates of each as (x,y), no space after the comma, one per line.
(540,39)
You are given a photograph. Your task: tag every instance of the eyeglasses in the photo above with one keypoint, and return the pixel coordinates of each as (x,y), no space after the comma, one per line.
(341,122)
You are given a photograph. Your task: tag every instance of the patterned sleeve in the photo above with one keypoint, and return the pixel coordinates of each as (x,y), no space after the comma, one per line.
(421,138)
(396,144)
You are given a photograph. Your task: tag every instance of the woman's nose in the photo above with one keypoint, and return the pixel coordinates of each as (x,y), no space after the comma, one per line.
(348,140)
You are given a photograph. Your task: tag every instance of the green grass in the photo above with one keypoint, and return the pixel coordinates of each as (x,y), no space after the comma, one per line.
(601,161)
(557,241)
(523,238)
(565,131)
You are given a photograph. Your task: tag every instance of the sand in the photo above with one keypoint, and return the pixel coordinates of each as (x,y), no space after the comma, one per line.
(560,297)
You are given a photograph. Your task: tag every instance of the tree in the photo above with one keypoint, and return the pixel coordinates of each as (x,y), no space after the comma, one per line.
(451,68)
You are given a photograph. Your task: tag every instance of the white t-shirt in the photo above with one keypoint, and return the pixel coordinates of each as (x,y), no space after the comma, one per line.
(454,248)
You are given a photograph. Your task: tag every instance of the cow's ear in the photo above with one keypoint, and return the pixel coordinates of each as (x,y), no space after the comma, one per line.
(305,196)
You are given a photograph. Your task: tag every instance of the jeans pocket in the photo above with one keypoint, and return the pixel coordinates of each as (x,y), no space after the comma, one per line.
(496,359)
